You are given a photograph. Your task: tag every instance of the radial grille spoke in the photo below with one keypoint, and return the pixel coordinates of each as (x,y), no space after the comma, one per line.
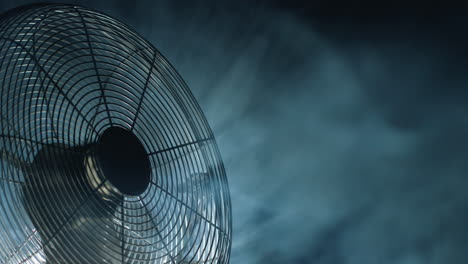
(180,146)
(85,103)
(158,232)
(65,222)
(188,207)
(52,81)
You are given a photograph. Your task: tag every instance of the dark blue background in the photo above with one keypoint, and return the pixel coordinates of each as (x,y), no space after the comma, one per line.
(343,128)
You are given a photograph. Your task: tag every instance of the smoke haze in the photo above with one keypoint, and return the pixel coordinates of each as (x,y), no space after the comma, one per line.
(343,142)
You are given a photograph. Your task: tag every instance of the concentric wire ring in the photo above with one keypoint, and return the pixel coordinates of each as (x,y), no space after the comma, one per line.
(67,75)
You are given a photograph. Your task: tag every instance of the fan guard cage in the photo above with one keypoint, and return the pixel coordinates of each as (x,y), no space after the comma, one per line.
(67,74)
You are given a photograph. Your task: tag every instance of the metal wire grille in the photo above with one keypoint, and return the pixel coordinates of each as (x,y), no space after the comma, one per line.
(67,74)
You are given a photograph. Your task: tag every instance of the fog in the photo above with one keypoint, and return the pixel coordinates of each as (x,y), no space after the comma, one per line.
(340,145)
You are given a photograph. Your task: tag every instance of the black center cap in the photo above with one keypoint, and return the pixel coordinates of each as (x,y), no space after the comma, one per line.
(124,161)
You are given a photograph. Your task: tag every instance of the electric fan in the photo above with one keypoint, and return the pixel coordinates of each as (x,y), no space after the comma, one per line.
(105,155)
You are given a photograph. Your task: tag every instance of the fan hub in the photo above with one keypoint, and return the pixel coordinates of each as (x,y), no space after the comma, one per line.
(124,161)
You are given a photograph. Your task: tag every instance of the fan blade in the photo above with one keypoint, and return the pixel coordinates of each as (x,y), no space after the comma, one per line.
(67,203)
(143,241)
(105,155)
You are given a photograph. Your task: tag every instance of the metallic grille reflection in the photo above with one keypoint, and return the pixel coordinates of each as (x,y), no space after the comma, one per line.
(70,75)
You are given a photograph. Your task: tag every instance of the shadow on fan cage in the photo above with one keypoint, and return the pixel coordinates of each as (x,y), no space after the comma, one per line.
(105,155)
